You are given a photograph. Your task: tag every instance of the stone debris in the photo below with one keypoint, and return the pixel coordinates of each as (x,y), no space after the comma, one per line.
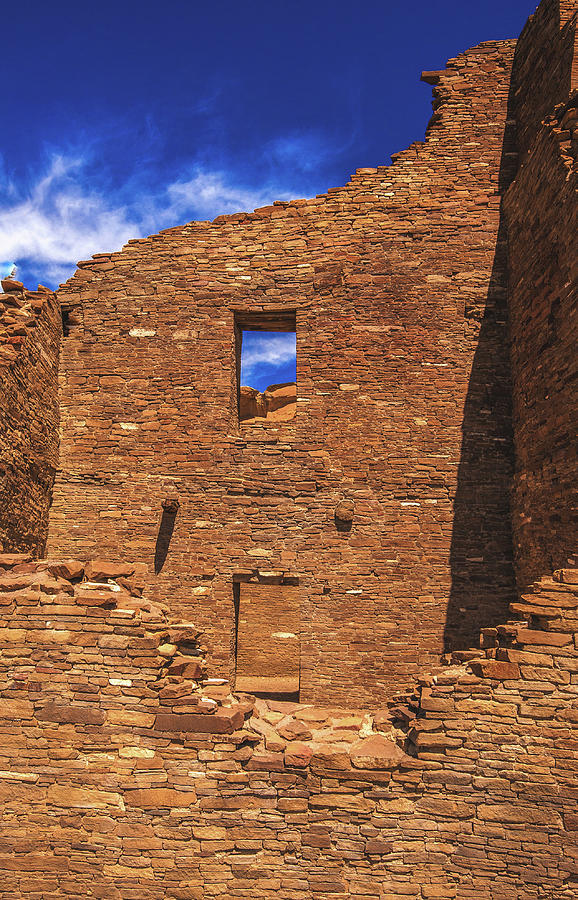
(161,783)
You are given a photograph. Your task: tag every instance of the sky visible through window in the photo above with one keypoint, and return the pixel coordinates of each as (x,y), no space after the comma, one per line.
(268,357)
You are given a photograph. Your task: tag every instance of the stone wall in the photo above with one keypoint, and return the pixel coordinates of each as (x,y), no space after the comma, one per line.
(542,212)
(545,68)
(397,281)
(29,340)
(126,773)
(379,515)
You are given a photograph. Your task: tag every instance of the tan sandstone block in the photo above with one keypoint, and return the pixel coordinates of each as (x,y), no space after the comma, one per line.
(158,798)
(82,798)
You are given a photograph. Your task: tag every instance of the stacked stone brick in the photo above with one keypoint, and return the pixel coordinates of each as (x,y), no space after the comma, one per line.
(544,316)
(29,341)
(126,772)
(129,766)
(398,284)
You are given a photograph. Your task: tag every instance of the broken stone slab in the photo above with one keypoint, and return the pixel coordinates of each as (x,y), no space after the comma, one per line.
(187,667)
(36,565)
(10,285)
(545,638)
(266,762)
(66,714)
(297,754)
(314,715)
(437,740)
(432,78)
(102,598)
(8,560)
(185,632)
(71,569)
(273,742)
(222,721)
(41,581)
(283,706)
(147,610)
(222,694)
(103,569)
(177,689)
(376,752)
(382,719)
(295,731)
(206,704)
(495,669)
(328,756)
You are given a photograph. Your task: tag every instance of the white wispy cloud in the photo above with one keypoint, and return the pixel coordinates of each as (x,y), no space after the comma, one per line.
(305,151)
(62,220)
(72,208)
(59,220)
(271,350)
(211,193)
(300,151)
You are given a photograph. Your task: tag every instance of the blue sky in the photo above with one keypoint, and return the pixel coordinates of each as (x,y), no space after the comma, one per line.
(124,118)
(268,358)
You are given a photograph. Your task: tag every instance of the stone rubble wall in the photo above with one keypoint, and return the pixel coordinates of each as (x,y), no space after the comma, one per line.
(126,772)
(542,214)
(30,329)
(545,67)
(398,280)
(128,768)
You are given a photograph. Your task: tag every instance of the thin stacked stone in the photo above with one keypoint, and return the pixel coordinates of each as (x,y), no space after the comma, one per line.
(113,744)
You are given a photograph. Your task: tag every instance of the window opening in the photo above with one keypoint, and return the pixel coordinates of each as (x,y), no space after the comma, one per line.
(267,368)
(71,318)
(65,322)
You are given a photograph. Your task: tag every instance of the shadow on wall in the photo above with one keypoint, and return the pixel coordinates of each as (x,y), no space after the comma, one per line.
(166,528)
(481,554)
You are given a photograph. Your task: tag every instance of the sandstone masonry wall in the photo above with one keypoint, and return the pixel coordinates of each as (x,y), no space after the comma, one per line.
(29,343)
(542,213)
(545,69)
(128,768)
(398,282)
(126,773)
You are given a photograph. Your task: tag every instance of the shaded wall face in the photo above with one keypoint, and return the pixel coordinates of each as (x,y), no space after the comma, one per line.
(541,216)
(543,222)
(30,329)
(545,67)
(401,364)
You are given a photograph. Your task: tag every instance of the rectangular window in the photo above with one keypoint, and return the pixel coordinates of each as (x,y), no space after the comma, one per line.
(268,644)
(266,367)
